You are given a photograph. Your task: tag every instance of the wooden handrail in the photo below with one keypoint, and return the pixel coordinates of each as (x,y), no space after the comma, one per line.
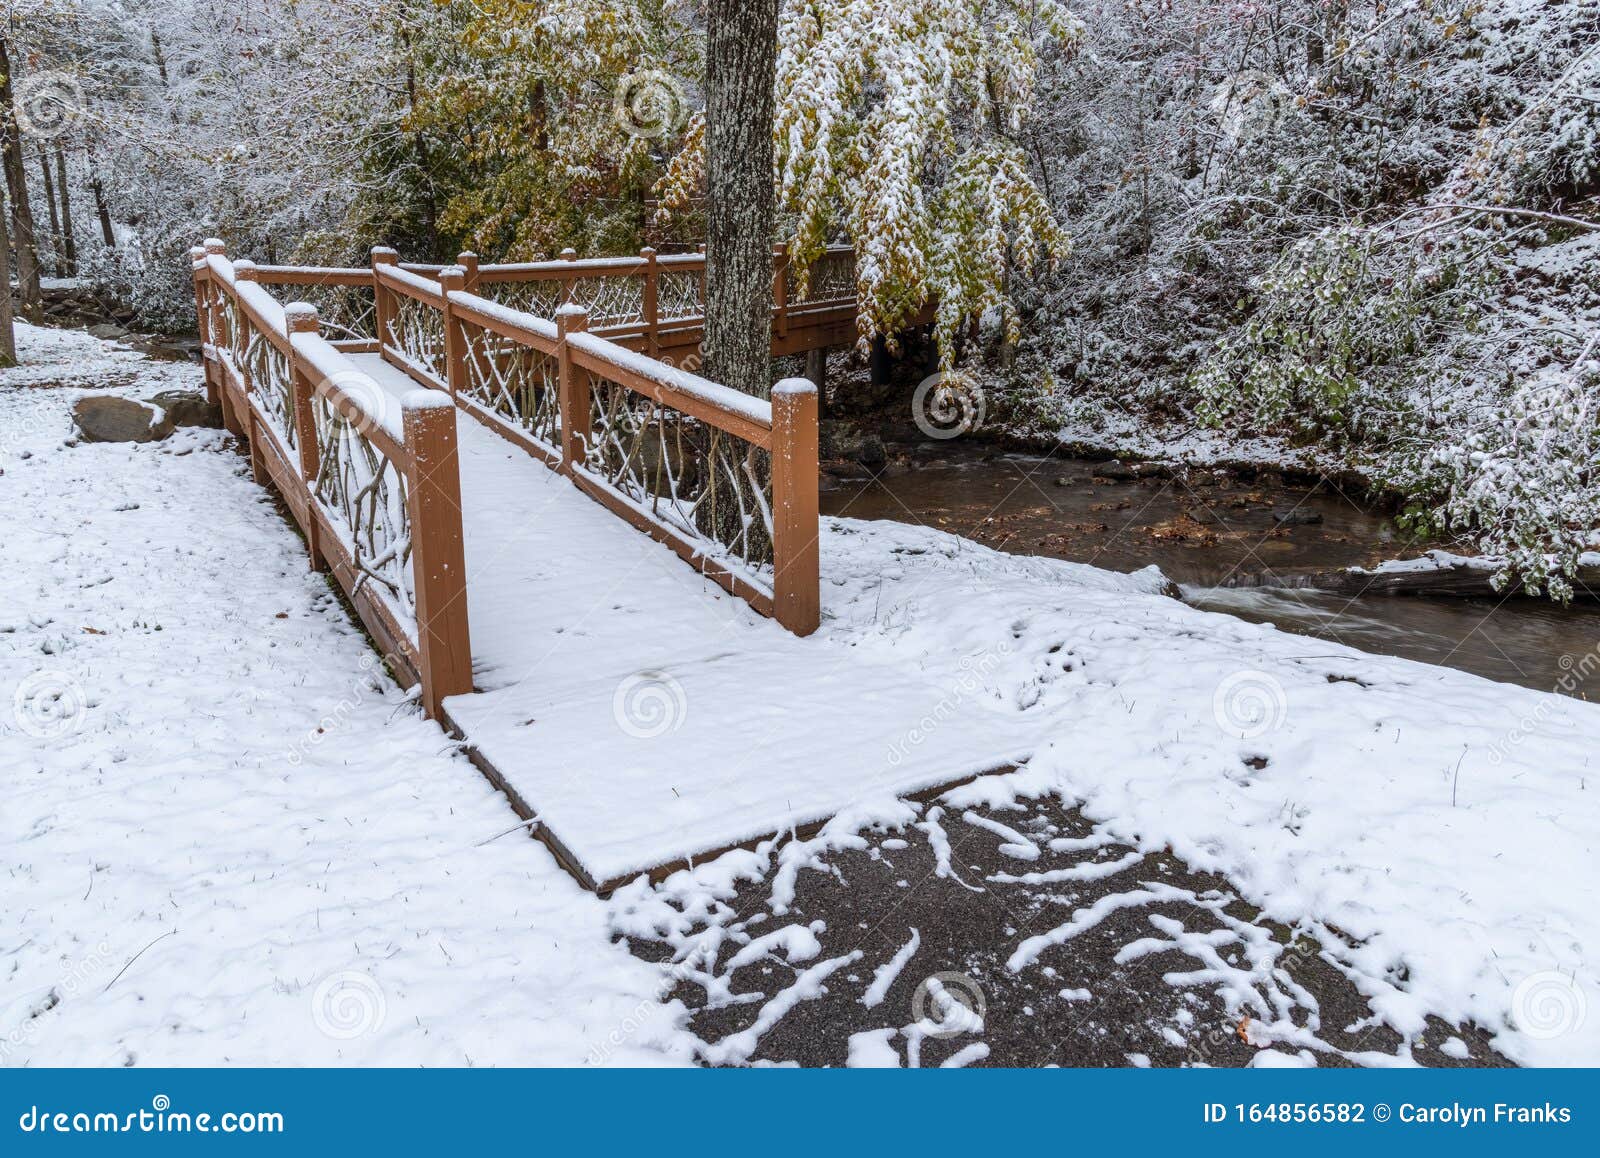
(452,362)
(415,433)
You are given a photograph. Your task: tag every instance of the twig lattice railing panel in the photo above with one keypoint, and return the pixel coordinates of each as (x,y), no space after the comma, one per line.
(343,298)
(371,475)
(509,372)
(828,280)
(411,324)
(365,490)
(727,480)
(704,483)
(681,289)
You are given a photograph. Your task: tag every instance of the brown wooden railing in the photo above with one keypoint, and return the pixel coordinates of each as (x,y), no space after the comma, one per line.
(653,302)
(371,477)
(587,365)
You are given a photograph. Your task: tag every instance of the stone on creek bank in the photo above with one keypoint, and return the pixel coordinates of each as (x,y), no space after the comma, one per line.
(111,418)
(843,442)
(1116,470)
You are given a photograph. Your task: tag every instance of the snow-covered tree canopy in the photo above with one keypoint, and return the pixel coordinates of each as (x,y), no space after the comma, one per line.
(898,129)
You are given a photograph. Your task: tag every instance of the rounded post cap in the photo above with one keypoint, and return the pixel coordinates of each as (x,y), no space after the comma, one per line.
(300,318)
(569,254)
(648,253)
(215,245)
(385,255)
(244,270)
(794,388)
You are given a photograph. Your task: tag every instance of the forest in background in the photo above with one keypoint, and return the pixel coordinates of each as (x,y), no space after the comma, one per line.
(1364,234)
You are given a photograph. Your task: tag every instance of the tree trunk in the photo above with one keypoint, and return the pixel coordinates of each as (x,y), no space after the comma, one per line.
(8,333)
(741,62)
(23,240)
(56,248)
(106,234)
(66,213)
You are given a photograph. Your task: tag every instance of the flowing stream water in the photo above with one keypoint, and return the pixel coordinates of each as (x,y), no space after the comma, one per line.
(1250,549)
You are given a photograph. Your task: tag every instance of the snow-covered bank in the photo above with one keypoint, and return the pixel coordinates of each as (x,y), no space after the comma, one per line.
(1442,825)
(226,837)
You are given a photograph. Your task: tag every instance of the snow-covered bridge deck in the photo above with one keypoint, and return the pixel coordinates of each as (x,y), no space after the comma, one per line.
(642,713)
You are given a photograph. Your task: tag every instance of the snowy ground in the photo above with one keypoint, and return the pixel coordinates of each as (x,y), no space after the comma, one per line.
(189,872)
(1432,834)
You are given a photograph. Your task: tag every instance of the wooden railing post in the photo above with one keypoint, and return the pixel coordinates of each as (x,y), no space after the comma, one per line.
(780,290)
(453,277)
(650,302)
(197,273)
(214,247)
(468,261)
(574,399)
(438,550)
(244,270)
(201,276)
(569,282)
(796,591)
(301,318)
(383,302)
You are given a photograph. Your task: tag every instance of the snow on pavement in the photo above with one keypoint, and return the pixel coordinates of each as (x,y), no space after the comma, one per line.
(190,872)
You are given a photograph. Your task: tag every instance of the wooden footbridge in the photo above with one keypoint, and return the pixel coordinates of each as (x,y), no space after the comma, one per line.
(485,443)
(588,366)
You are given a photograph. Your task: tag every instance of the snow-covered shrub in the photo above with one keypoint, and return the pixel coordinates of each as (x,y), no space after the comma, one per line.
(1341,331)
(1525,477)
